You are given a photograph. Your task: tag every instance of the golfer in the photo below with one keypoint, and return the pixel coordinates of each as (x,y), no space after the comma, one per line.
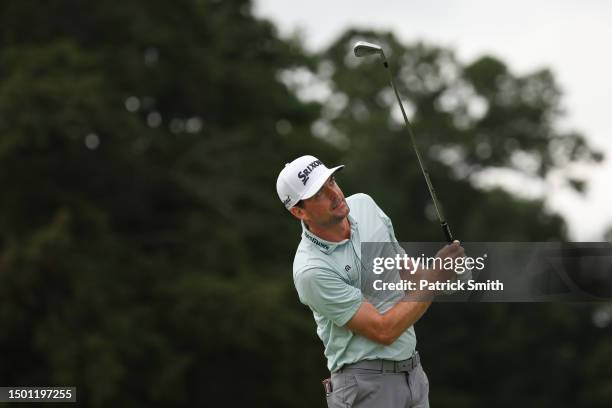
(370,348)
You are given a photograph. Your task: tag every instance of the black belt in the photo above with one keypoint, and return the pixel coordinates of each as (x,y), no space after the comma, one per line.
(384,366)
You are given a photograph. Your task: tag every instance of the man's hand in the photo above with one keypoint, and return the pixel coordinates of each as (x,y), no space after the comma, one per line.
(436,274)
(453,250)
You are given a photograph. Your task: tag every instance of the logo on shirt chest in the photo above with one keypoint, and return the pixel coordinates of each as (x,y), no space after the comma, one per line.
(352,275)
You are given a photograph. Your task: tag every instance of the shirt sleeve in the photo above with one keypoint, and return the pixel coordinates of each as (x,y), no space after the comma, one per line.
(387,221)
(326,293)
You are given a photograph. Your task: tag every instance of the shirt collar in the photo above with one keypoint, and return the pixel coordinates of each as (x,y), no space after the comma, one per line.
(323,245)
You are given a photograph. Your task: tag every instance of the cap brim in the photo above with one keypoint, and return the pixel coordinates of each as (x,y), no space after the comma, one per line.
(316,186)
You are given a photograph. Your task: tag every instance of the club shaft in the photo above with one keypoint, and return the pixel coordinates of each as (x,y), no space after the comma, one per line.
(432,191)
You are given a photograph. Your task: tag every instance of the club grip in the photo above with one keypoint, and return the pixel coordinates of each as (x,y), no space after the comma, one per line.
(447,232)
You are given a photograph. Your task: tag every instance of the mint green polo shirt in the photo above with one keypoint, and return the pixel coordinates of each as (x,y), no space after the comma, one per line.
(327,276)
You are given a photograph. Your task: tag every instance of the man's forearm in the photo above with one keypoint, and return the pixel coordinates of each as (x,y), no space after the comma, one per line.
(409,310)
(400,317)
(385,328)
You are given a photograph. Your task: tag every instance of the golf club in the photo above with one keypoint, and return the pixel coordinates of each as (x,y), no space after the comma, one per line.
(362,49)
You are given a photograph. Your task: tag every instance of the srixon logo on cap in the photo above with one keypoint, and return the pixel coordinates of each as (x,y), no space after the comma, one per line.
(303,175)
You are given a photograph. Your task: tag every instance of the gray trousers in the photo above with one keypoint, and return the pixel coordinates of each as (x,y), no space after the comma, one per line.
(365,388)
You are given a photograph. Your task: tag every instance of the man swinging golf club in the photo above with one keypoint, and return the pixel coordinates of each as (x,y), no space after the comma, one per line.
(370,347)
(370,344)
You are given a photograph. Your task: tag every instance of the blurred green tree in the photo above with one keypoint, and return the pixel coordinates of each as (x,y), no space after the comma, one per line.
(475,125)
(138,142)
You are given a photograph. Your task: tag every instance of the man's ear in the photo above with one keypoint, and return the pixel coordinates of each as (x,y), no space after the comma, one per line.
(298,212)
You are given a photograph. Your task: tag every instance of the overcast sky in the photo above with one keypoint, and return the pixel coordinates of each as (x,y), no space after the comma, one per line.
(570,37)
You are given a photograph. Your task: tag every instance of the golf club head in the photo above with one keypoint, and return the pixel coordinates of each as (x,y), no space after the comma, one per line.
(363,48)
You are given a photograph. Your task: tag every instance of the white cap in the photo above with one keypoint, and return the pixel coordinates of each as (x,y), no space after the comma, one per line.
(301,179)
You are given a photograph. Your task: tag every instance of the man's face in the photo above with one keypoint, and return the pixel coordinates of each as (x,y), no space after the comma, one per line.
(326,208)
